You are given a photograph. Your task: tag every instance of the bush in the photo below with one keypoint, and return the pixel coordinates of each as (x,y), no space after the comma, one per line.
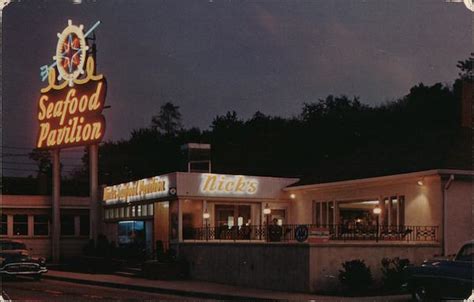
(355,276)
(393,272)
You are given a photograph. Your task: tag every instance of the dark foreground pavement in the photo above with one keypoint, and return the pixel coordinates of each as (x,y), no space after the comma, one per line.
(25,289)
(68,286)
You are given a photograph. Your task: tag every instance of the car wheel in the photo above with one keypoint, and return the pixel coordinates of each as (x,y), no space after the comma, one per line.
(37,277)
(420,293)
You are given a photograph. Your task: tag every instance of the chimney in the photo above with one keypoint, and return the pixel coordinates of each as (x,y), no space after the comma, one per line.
(197,157)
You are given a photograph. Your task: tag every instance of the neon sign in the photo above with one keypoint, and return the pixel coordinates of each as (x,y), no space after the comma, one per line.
(137,190)
(70,113)
(225,184)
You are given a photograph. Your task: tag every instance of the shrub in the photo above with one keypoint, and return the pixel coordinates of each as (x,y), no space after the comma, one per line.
(355,276)
(393,272)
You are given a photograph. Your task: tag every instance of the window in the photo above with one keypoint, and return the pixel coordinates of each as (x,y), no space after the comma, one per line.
(84,225)
(12,245)
(41,225)
(3,225)
(393,211)
(466,253)
(20,225)
(139,210)
(324,214)
(67,225)
(150,209)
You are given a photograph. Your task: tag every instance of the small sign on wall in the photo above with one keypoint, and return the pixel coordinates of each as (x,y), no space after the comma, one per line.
(318,235)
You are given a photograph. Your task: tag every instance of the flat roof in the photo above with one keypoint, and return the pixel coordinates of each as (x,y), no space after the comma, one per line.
(380,178)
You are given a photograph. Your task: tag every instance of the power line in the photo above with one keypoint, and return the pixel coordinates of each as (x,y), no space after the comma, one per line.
(25,148)
(35,164)
(26,154)
(34,171)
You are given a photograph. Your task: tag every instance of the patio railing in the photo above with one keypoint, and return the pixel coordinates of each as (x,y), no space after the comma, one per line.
(292,232)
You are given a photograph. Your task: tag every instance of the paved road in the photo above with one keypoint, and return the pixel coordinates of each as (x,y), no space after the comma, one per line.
(25,289)
(22,289)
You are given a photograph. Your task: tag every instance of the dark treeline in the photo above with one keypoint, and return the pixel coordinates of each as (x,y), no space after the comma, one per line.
(334,138)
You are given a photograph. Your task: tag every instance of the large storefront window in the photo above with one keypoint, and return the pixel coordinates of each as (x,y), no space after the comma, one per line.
(232,216)
(41,225)
(324,213)
(3,225)
(131,233)
(360,213)
(393,211)
(20,225)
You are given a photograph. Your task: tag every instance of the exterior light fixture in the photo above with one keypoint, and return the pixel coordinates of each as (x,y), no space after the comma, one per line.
(206,214)
(267,210)
(292,196)
(206,217)
(377,210)
(421,182)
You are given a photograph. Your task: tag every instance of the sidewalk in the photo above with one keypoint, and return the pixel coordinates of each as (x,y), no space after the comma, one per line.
(198,289)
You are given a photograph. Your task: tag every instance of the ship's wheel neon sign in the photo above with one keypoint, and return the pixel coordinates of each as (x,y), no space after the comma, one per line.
(71,53)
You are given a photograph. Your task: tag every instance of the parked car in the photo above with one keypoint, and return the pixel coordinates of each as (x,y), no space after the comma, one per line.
(443,279)
(15,260)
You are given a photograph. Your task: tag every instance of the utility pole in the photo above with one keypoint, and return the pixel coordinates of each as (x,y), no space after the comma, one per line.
(93,166)
(3,4)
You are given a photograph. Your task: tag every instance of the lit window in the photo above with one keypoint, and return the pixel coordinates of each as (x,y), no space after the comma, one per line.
(139,210)
(20,225)
(150,209)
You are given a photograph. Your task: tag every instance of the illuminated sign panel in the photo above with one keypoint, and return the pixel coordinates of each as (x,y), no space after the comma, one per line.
(137,190)
(70,113)
(226,184)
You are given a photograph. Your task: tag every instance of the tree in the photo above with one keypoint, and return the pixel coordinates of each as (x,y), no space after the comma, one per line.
(168,121)
(43,160)
(466,70)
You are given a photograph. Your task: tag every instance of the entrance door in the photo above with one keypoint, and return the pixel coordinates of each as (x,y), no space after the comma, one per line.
(232,220)
(132,239)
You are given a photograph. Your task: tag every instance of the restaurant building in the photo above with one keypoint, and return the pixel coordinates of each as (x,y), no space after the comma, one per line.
(174,207)
(27,218)
(280,233)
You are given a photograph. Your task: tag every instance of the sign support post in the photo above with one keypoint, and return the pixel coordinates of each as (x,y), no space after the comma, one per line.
(56,227)
(94,184)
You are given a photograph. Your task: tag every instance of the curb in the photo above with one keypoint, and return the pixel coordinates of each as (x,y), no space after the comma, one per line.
(161,290)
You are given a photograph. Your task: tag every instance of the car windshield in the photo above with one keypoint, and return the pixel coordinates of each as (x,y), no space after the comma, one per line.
(466,253)
(12,246)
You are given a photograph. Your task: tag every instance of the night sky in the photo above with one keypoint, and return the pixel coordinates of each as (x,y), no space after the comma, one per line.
(213,56)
